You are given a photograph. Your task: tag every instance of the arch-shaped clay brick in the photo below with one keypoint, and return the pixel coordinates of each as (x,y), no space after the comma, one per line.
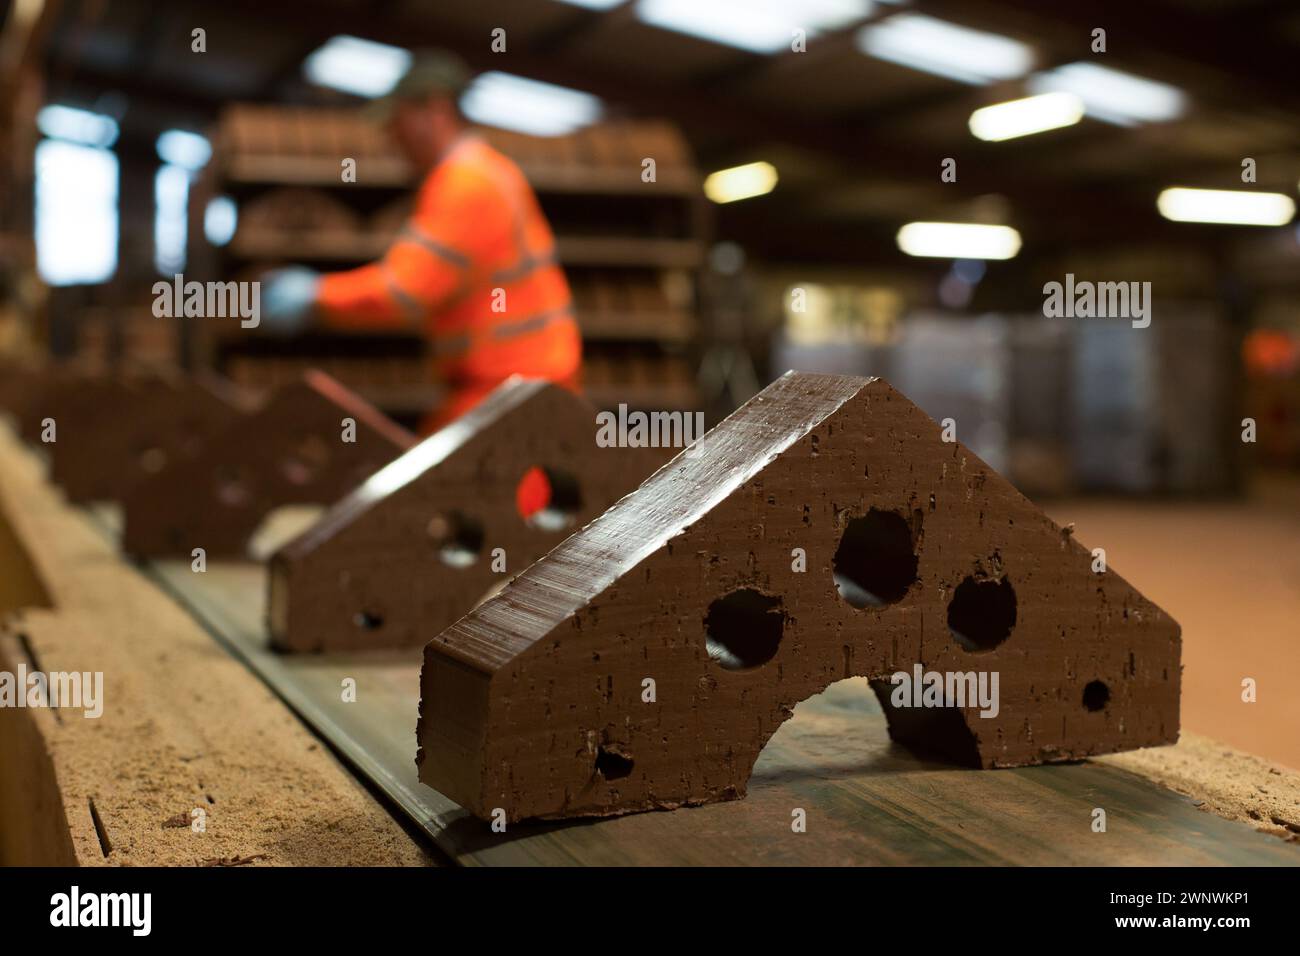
(135,425)
(534,702)
(411,550)
(66,392)
(289,452)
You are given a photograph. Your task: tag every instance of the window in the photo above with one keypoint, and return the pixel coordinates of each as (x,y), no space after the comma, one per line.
(182,153)
(171,194)
(76,212)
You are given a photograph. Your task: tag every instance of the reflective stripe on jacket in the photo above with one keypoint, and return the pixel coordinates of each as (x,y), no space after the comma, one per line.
(475,268)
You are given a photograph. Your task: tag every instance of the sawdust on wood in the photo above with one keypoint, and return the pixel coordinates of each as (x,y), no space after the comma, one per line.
(185,727)
(1223,781)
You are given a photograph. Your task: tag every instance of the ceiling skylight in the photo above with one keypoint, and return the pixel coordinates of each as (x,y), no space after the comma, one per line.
(762,26)
(945,49)
(357,66)
(1113,96)
(528,106)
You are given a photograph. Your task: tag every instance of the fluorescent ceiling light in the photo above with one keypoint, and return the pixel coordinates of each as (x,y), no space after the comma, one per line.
(357,66)
(958,240)
(1112,96)
(762,26)
(1033,114)
(593,4)
(528,106)
(740,182)
(77,126)
(1233,206)
(945,49)
(187,150)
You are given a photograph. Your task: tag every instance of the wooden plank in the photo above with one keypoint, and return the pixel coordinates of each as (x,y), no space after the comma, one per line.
(182,727)
(868,801)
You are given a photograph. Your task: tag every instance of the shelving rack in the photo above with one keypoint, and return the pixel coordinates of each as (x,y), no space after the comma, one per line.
(632,249)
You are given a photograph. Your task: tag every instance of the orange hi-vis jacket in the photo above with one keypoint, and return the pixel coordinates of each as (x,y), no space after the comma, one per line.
(475,268)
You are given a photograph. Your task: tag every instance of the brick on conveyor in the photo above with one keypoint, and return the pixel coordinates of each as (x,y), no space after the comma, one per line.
(823,531)
(139,424)
(417,545)
(310,444)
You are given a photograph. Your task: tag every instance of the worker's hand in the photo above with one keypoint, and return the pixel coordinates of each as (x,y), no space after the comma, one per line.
(288,297)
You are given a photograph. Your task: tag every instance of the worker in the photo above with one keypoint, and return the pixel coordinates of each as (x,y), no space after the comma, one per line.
(474,267)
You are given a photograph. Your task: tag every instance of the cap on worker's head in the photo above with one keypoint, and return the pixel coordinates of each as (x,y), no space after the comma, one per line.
(432,72)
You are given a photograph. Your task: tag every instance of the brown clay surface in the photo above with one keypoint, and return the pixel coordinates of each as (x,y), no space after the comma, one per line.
(425,538)
(1229,571)
(18,381)
(289,452)
(65,392)
(533,703)
(184,726)
(131,430)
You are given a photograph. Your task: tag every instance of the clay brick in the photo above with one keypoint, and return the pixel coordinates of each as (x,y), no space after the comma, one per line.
(917,552)
(133,429)
(289,452)
(18,379)
(67,392)
(411,550)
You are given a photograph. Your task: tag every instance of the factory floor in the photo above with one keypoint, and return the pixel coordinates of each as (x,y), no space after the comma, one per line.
(1229,573)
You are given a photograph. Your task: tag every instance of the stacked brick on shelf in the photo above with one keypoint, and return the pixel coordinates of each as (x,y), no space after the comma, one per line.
(631,248)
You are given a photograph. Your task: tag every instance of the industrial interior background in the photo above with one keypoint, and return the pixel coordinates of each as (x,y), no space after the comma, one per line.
(131,156)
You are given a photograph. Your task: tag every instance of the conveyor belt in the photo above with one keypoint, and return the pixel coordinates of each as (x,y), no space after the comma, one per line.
(867,801)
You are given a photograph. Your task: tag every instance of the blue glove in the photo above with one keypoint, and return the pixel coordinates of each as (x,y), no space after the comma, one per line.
(288,297)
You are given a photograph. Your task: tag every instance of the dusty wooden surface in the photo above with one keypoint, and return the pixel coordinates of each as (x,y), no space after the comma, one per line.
(184,726)
(867,800)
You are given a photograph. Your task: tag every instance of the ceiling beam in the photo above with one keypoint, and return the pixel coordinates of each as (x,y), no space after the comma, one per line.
(1249,65)
(820,48)
(191,98)
(579,24)
(863,149)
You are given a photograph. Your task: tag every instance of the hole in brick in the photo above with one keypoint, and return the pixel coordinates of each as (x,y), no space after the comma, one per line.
(744,629)
(152,460)
(305,461)
(875,563)
(982,613)
(232,488)
(368,620)
(1096,695)
(612,765)
(458,536)
(548,499)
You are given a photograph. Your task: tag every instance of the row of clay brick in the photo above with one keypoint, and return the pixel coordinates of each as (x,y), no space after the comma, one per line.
(196,465)
(166,751)
(594,651)
(283,131)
